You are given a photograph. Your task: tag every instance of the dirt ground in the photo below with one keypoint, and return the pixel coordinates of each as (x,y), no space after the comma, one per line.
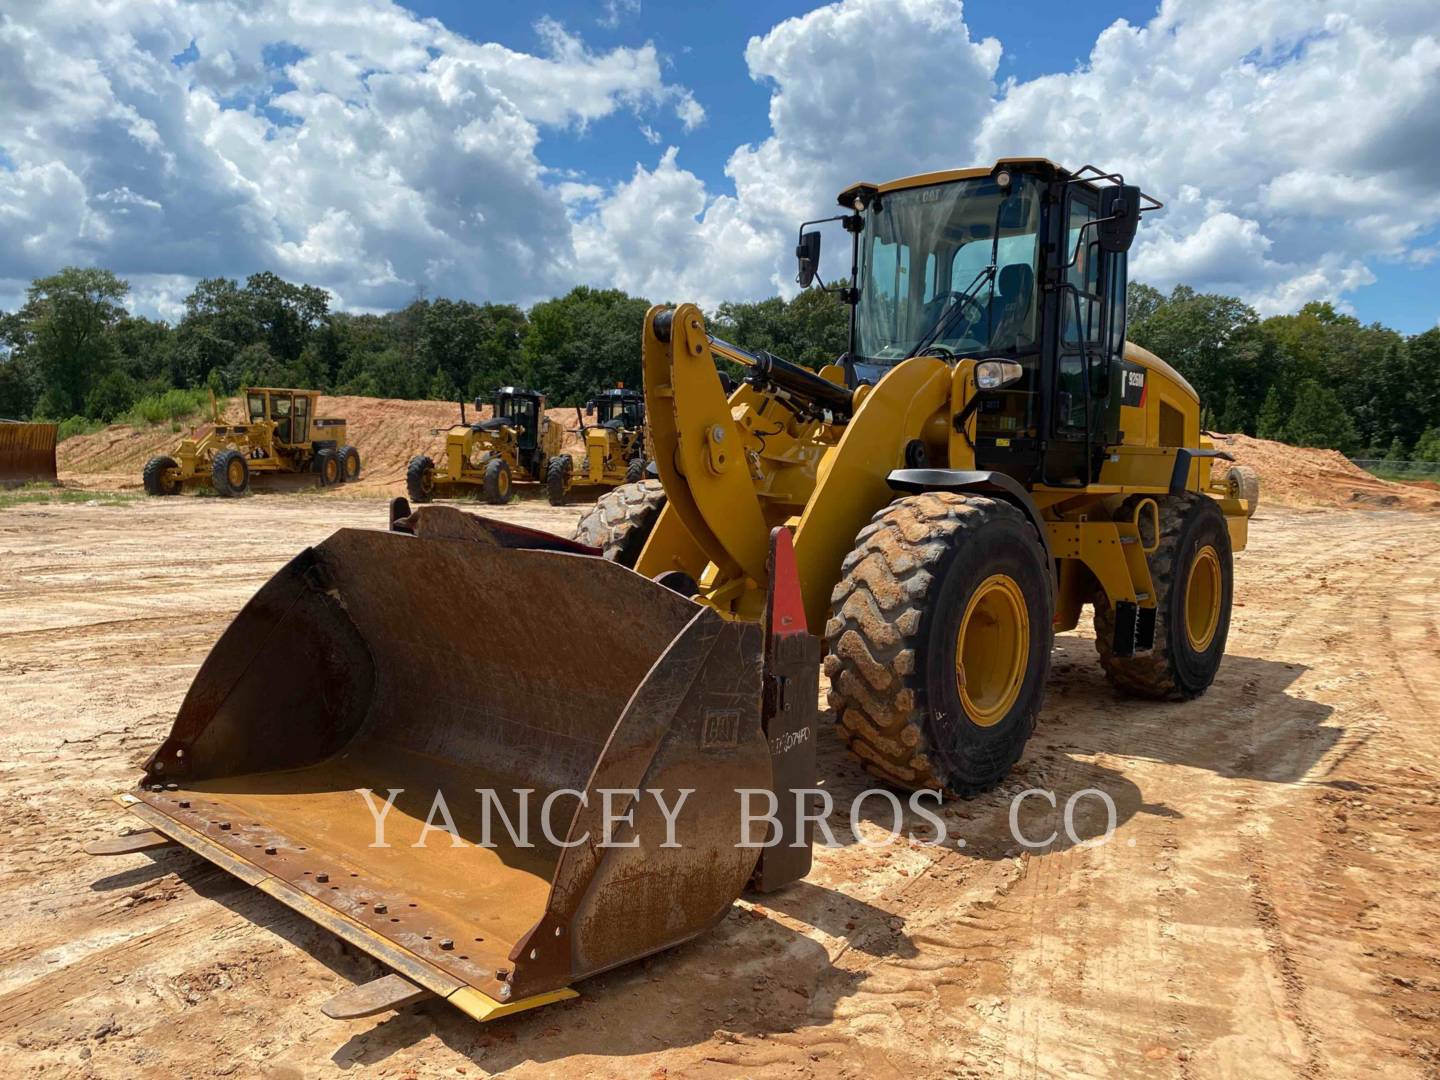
(1268,905)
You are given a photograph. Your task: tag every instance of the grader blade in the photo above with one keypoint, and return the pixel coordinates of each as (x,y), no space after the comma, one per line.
(423,739)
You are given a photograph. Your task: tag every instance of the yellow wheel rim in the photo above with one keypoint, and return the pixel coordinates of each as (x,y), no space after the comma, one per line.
(1202,599)
(504,485)
(235,472)
(992,649)
(332,470)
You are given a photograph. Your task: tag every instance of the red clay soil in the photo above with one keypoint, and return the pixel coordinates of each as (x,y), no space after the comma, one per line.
(390,432)
(1294,476)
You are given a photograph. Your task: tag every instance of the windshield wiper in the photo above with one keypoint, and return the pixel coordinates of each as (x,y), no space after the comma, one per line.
(946,317)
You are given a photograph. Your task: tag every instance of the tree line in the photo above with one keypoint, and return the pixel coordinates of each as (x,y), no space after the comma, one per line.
(73,350)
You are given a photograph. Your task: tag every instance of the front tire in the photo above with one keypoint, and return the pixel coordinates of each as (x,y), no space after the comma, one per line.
(161,476)
(557,479)
(420,479)
(635,471)
(1193,574)
(230,473)
(621,521)
(497,482)
(940,641)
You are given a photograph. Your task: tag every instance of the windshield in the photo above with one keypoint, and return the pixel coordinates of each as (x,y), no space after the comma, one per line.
(958,256)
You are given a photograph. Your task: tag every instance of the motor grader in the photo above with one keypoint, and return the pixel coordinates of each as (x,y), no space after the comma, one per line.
(281,434)
(987,459)
(614,446)
(516,445)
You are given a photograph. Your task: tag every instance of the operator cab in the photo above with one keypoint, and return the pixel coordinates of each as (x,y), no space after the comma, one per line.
(618,408)
(1023,262)
(518,408)
(288,410)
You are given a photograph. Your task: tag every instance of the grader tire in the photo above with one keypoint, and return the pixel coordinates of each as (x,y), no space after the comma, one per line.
(153,476)
(349,465)
(557,479)
(327,464)
(621,520)
(230,473)
(1244,483)
(921,580)
(635,471)
(497,482)
(420,479)
(1192,617)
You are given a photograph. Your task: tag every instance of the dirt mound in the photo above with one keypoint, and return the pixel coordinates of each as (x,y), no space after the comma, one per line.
(387,432)
(1295,476)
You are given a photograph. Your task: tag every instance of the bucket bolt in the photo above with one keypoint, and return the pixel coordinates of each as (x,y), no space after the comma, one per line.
(447,944)
(381,909)
(322,878)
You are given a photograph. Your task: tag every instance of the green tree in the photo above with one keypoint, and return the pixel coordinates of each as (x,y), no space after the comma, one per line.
(113,393)
(812,329)
(1427,448)
(1270,423)
(70,317)
(1319,419)
(1214,341)
(1397,450)
(584,341)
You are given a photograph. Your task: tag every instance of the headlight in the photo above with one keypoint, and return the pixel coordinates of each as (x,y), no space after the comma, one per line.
(997,374)
(859,204)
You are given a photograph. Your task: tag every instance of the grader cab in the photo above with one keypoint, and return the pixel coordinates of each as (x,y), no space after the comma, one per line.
(281,434)
(515,445)
(614,446)
(988,458)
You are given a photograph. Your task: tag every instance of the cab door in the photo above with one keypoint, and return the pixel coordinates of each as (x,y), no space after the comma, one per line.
(281,408)
(1091,298)
(300,419)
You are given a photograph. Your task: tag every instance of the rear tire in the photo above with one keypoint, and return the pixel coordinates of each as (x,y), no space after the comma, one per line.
(621,521)
(230,473)
(327,464)
(635,471)
(1191,624)
(497,482)
(420,479)
(349,464)
(940,641)
(1243,482)
(154,478)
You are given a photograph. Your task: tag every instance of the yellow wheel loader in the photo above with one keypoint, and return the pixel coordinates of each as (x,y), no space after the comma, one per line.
(281,434)
(614,446)
(516,445)
(988,458)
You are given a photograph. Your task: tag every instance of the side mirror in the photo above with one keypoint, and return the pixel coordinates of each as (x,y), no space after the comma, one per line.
(1119,217)
(807,254)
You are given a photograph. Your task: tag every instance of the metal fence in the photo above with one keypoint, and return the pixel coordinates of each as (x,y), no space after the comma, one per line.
(1399,470)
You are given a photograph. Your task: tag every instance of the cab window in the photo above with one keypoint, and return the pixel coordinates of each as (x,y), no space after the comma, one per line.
(256,404)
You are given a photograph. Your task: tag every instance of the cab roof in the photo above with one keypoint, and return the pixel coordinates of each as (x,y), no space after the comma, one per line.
(276,390)
(1020,164)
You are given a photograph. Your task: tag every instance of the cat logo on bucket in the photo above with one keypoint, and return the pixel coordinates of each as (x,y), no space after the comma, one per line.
(722,729)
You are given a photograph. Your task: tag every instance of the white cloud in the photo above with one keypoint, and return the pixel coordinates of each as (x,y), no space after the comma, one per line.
(616,11)
(354,145)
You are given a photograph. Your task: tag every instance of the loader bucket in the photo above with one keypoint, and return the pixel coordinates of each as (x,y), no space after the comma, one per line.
(500,680)
(27,453)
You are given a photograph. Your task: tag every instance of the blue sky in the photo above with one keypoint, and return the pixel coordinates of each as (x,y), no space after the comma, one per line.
(511,151)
